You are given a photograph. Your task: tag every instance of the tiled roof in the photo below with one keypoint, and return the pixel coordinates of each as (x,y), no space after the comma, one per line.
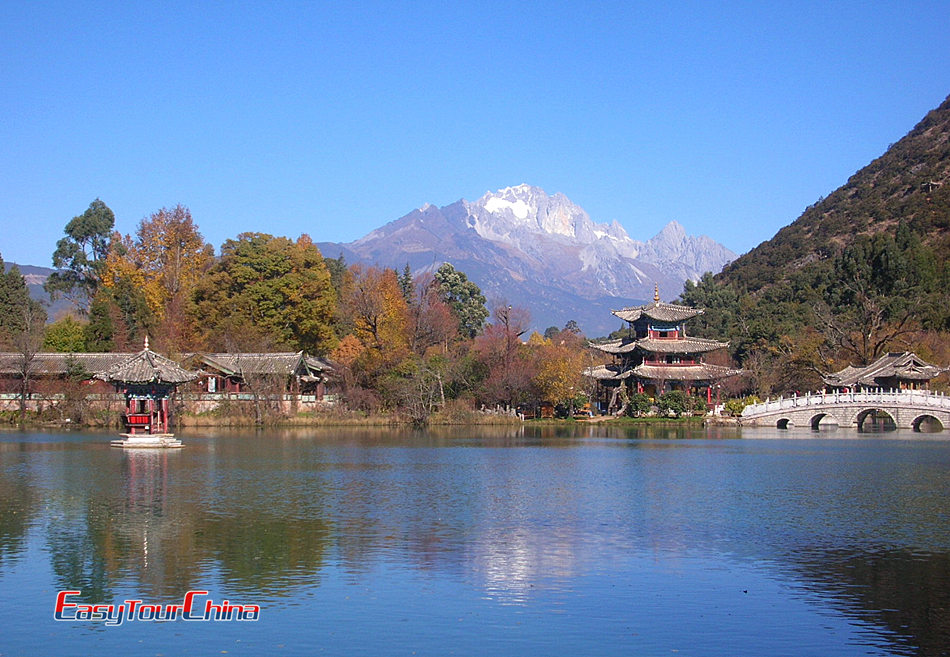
(285,363)
(701,372)
(147,367)
(664,312)
(607,373)
(55,364)
(900,365)
(318,364)
(616,347)
(687,345)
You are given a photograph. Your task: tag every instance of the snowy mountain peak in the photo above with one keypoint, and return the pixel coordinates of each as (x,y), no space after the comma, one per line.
(508,214)
(497,205)
(543,251)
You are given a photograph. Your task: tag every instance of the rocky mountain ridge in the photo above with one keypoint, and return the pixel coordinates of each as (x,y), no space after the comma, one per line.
(526,247)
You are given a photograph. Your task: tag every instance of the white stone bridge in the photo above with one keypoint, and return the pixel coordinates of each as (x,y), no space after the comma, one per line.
(909,409)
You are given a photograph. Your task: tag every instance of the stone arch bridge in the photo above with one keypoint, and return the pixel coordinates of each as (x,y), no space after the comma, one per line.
(909,409)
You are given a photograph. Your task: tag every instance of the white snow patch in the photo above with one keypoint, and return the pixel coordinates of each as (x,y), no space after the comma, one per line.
(519,208)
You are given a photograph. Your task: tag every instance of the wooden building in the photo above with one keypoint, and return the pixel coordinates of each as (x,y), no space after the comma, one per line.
(287,372)
(46,370)
(293,377)
(657,355)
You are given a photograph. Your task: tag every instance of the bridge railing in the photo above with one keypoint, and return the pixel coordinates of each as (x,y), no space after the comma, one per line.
(880,396)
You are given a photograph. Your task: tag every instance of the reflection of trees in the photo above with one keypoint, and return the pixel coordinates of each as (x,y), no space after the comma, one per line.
(18,501)
(154,524)
(265,553)
(263,515)
(907,592)
(77,538)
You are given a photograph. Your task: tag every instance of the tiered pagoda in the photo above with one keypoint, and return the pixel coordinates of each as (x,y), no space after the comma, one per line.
(657,356)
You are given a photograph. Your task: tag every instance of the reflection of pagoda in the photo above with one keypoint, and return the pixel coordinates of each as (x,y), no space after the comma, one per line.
(657,356)
(148,382)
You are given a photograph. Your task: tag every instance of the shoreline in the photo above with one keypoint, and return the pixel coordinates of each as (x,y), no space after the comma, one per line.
(385,420)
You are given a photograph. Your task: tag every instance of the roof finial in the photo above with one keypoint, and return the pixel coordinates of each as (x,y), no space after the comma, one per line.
(656,291)
(146,341)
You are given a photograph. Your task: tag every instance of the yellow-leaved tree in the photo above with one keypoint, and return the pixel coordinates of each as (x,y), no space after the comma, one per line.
(164,262)
(379,315)
(560,366)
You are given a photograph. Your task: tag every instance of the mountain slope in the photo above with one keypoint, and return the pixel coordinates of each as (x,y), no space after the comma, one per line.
(525,247)
(910,183)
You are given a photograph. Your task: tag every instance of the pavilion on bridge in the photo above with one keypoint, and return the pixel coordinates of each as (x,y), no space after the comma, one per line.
(892,371)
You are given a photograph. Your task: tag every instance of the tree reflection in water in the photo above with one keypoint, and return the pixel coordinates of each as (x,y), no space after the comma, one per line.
(510,511)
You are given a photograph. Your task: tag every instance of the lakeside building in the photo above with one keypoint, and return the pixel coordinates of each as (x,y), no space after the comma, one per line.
(893,371)
(657,356)
(293,372)
(46,379)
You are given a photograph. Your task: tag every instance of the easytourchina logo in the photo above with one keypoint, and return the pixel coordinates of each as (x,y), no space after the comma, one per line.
(193,607)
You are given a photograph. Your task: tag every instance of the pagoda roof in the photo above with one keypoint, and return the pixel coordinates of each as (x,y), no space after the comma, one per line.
(687,345)
(616,346)
(607,373)
(906,366)
(700,372)
(663,312)
(147,367)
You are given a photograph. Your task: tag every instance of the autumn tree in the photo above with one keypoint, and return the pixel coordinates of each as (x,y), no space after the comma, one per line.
(433,324)
(119,318)
(560,361)
(80,256)
(379,314)
(510,369)
(166,260)
(272,285)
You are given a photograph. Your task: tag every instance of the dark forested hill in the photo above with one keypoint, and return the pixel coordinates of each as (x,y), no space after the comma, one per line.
(909,183)
(860,273)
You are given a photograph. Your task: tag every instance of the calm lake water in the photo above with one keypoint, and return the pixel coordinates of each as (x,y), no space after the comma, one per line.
(481,541)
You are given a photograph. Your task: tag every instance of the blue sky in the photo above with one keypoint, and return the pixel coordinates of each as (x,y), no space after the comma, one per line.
(335,118)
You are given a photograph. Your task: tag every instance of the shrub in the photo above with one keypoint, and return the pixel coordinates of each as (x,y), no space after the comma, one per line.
(639,405)
(675,402)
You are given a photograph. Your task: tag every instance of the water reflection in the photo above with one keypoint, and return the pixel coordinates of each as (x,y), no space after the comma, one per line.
(858,525)
(905,591)
(19,502)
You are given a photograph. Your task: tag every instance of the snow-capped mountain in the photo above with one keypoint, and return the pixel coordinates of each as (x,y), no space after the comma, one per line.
(525,247)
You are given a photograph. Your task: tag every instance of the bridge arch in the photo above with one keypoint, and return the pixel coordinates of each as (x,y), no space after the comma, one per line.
(783,423)
(927,424)
(823,421)
(877,419)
